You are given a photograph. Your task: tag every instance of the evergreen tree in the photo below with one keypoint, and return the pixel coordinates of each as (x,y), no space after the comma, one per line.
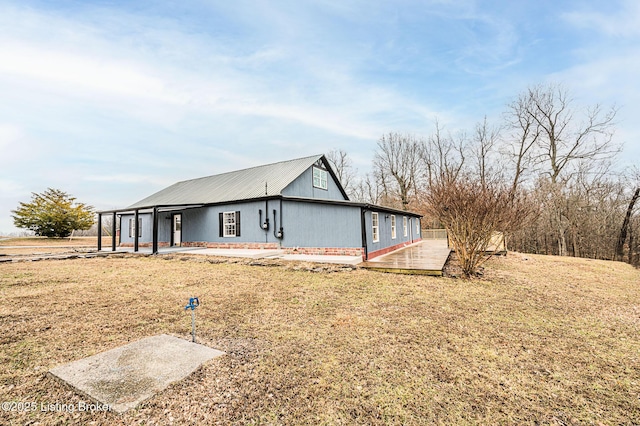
(53,213)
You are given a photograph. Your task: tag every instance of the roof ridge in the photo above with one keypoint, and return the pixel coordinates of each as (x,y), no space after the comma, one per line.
(249,168)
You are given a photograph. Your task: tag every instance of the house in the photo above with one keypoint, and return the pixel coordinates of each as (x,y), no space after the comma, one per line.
(297,205)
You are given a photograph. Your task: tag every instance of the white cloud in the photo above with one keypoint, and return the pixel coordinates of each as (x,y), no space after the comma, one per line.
(71,72)
(160,89)
(606,68)
(622,23)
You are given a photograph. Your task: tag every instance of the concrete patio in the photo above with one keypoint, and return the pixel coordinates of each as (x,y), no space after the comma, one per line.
(246,253)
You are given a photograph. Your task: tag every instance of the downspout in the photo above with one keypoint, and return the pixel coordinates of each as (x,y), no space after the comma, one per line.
(363,229)
(280,233)
(274,221)
(264,225)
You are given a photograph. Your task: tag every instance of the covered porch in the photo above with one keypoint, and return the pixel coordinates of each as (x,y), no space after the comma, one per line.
(153,246)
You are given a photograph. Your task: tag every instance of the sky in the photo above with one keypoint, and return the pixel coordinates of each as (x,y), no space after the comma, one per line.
(114,100)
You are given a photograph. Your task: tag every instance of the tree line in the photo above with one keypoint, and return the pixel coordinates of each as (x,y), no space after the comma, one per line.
(547,166)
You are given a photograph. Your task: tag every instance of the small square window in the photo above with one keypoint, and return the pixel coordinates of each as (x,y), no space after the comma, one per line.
(320,178)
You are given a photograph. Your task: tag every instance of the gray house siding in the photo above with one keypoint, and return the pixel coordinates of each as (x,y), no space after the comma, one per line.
(202,224)
(302,186)
(384,230)
(164,228)
(304,224)
(320,225)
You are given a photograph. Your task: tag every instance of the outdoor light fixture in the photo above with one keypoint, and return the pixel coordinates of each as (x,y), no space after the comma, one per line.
(265,226)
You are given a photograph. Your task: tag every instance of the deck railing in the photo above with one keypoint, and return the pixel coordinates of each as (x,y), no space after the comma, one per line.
(434,234)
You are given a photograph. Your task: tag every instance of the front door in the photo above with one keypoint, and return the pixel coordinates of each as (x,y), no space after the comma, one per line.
(176,238)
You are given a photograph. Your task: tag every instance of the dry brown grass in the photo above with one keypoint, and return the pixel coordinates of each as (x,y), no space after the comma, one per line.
(53,242)
(40,251)
(543,340)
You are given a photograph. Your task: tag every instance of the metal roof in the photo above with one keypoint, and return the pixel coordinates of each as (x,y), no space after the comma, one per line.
(232,186)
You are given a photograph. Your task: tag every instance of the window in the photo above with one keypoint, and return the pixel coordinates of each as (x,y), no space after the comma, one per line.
(393,226)
(374,227)
(319,178)
(417,226)
(404,226)
(229,223)
(132,227)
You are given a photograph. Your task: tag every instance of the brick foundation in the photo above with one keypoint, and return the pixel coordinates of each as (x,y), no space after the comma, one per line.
(194,244)
(160,244)
(250,246)
(386,250)
(325,251)
(316,251)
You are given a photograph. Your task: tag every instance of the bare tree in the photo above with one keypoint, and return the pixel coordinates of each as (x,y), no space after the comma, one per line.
(397,165)
(343,167)
(564,138)
(624,230)
(560,141)
(367,190)
(523,139)
(484,145)
(443,154)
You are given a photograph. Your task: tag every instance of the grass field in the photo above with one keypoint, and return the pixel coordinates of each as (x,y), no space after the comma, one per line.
(51,242)
(537,340)
(37,246)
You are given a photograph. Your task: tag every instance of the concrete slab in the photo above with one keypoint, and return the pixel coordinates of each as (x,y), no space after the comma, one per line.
(342,260)
(126,376)
(147,250)
(248,253)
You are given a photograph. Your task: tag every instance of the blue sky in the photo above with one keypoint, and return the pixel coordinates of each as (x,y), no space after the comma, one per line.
(113,100)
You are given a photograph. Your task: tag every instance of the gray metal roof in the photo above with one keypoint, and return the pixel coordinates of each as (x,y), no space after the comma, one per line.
(232,186)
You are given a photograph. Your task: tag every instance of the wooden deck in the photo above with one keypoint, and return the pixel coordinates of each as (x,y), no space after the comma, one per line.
(424,258)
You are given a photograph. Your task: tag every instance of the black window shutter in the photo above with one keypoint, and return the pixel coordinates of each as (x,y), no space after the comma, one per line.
(221,224)
(237,224)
